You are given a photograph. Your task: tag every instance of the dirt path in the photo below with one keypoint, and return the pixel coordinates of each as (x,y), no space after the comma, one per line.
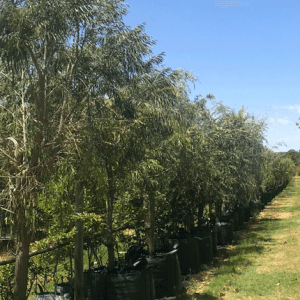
(264,263)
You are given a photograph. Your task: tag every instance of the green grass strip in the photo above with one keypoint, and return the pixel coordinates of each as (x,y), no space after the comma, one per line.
(264,264)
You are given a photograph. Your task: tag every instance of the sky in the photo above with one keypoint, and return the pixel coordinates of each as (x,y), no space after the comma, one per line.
(245,53)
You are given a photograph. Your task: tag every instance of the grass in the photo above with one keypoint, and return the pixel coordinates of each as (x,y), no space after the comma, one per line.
(264,263)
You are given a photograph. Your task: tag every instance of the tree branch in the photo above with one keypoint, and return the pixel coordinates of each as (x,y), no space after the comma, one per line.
(6,262)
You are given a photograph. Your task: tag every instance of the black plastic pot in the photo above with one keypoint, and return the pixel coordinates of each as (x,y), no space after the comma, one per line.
(64,290)
(94,283)
(241,212)
(230,236)
(214,239)
(225,232)
(256,206)
(266,197)
(188,255)
(247,213)
(226,217)
(205,247)
(137,285)
(235,218)
(166,273)
(45,296)
(207,242)
(222,233)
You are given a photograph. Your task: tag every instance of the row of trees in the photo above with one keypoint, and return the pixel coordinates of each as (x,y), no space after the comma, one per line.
(97,136)
(294,155)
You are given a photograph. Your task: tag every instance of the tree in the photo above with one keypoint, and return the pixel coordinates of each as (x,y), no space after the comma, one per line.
(132,120)
(294,155)
(217,165)
(45,49)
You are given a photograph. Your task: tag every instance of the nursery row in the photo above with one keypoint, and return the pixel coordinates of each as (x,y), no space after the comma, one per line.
(205,173)
(143,277)
(98,136)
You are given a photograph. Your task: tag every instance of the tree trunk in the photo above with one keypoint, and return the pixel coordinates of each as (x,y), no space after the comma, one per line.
(218,210)
(200,213)
(212,215)
(190,222)
(150,223)
(78,259)
(21,266)
(23,237)
(22,231)
(109,219)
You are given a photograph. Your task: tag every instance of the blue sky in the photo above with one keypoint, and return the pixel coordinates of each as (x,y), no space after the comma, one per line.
(246,53)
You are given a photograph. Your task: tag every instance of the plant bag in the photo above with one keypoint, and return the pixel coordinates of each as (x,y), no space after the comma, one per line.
(240,210)
(52,296)
(205,247)
(45,296)
(206,240)
(188,255)
(247,213)
(256,206)
(65,290)
(214,237)
(230,231)
(94,283)
(225,232)
(136,285)
(166,273)
(235,218)
(222,233)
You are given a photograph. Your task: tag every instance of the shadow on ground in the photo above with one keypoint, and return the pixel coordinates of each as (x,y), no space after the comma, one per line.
(251,240)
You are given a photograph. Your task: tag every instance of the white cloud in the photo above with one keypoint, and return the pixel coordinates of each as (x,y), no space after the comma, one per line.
(281,121)
(284,121)
(294,107)
(272,120)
